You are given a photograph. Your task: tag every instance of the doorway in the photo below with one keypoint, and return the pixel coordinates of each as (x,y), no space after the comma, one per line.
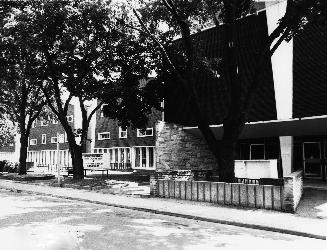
(312,160)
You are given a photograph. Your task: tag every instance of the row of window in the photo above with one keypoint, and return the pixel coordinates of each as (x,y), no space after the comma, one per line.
(54,139)
(54,121)
(101,136)
(123,133)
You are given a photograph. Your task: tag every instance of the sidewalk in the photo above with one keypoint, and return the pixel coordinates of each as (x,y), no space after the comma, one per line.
(257,219)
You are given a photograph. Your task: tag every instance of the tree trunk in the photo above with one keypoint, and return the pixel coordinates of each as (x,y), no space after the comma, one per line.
(77,161)
(232,129)
(23,154)
(227,161)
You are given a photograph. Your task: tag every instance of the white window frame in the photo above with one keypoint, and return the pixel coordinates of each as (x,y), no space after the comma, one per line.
(69,118)
(34,124)
(122,131)
(33,140)
(66,137)
(54,141)
(55,121)
(101,110)
(103,133)
(45,139)
(139,132)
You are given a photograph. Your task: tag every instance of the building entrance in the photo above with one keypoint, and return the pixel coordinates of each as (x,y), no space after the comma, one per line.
(312,160)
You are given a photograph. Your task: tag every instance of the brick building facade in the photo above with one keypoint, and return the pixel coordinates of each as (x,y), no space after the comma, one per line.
(128,148)
(42,144)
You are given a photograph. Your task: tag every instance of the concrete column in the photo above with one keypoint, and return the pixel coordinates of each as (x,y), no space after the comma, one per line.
(286,149)
(282,65)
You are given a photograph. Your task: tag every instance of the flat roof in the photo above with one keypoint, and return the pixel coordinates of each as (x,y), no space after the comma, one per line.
(289,127)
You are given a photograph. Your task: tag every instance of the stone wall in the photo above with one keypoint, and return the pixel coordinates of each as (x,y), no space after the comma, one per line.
(293,190)
(178,150)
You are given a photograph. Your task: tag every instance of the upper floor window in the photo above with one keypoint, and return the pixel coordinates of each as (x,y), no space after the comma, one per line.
(144,132)
(34,124)
(44,139)
(122,132)
(104,136)
(69,118)
(101,111)
(54,139)
(33,141)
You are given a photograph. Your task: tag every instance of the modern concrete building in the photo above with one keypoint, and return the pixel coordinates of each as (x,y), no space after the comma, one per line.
(286,128)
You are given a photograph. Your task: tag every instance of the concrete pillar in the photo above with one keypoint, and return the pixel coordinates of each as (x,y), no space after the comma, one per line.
(286,150)
(283,81)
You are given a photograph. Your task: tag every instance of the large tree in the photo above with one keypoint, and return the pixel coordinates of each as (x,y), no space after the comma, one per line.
(83,56)
(21,98)
(169,25)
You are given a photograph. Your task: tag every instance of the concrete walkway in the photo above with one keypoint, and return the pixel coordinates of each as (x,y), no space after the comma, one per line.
(258,219)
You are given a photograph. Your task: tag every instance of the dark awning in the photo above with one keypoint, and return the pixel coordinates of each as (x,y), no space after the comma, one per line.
(291,127)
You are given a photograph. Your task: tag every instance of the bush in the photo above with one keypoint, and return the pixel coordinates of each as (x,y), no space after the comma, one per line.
(10,167)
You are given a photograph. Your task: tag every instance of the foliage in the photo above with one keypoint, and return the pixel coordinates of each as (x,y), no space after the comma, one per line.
(7,132)
(172,26)
(10,167)
(79,53)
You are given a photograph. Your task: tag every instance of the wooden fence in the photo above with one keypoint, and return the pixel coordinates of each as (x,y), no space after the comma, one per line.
(238,194)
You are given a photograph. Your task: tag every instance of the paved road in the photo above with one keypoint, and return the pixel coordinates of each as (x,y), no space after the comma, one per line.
(40,222)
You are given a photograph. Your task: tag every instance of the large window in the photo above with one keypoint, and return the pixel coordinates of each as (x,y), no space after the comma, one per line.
(144,157)
(144,132)
(104,136)
(257,151)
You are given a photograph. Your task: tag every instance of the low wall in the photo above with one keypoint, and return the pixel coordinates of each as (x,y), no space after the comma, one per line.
(293,190)
(283,198)
(246,195)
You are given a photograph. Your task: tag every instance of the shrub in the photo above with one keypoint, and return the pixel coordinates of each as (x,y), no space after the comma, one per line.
(10,167)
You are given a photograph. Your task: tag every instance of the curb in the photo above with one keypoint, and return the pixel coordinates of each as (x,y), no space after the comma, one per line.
(185,216)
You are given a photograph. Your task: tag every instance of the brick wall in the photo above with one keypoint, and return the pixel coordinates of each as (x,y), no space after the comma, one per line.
(293,190)
(50,130)
(104,124)
(177,149)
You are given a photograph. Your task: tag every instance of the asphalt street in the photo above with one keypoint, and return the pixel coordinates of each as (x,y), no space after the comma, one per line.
(39,222)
